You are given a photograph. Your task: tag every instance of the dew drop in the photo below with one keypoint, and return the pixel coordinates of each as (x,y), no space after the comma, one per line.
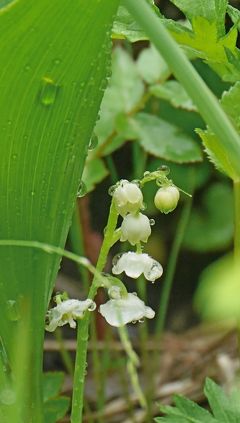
(82,190)
(93,142)
(27,68)
(92,307)
(141,321)
(13,312)
(164,169)
(147,173)
(152,222)
(32,193)
(48,91)
(116,258)
(111,190)
(57,62)
(14,156)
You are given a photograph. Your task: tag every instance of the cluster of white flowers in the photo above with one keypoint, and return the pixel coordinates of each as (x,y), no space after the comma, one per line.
(123,307)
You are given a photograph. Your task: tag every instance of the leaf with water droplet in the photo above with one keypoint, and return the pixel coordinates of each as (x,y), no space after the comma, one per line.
(93,142)
(82,190)
(49,91)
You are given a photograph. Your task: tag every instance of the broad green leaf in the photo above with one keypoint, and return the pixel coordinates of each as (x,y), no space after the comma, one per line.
(52,384)
(212,10)
(124,92)
(151,66)
(55,409)
(225,407)
(165,140)
(210,227)
(53,62)
(94,172)
(125,26)
(173,92)
(217,297)
(230,102)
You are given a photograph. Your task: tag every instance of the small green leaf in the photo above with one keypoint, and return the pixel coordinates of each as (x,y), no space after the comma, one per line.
(230,102)
(225,408)
(211,227)
(52,384)
(151,66)
(173,92)
(55,409)
(94,172)
(165,140)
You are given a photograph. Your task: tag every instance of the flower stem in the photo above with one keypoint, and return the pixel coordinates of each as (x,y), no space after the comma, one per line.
(183,70)
(83,325)
(172,267)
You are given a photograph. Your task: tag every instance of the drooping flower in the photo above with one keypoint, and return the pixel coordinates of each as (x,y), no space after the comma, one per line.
(166,199)
(135,228)
(134,264)
(127,197)
(67,312)
(120,311)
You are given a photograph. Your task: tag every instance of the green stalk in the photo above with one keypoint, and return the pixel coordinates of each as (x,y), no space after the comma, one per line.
(236,188)
(181,67)
(83,325)
(167,286)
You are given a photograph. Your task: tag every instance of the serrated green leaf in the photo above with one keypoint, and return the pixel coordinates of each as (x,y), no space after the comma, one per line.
(225,407)
(151,66)
(210,228)
(234,15)
(165,140)
(217,297)
(52,384)
(193,410)
(212,10)
(230,102)
(173,92)
(94,172)
(55,409)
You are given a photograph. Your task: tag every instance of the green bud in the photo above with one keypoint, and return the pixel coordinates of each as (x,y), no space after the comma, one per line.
(166,199)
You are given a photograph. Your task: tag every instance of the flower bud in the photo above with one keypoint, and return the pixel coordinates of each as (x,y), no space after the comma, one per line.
(166,199)
(127,198)
(135,228)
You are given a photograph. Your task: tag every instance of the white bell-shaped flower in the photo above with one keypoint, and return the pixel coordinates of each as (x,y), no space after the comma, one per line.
(166,199)
(134,264)
(127,197)
(67,312)
(135,228)
(119,312)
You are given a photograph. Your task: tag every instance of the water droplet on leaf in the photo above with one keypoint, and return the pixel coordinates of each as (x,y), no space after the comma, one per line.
(152,222)
(82,189)
(111,190)
(93,142)
(13,312)
(48,92)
